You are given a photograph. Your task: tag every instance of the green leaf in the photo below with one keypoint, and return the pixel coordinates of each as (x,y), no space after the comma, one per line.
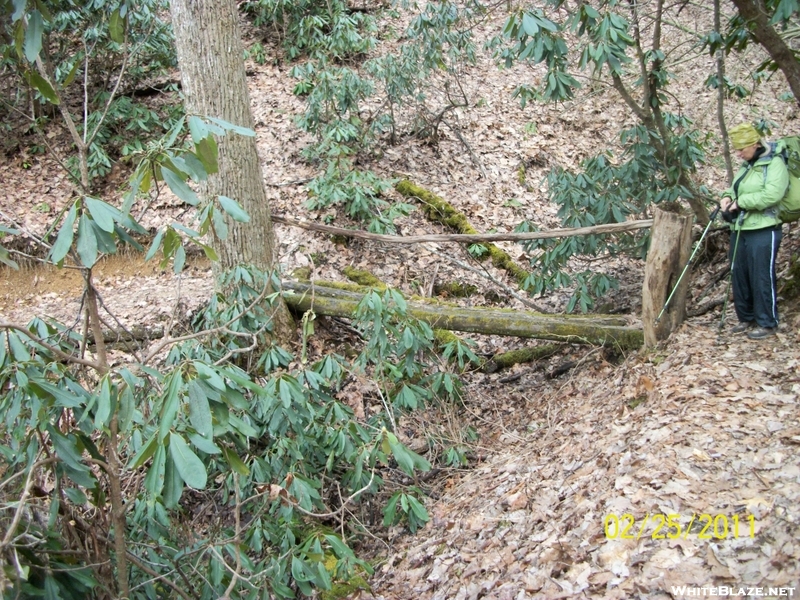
(203,444)
(171,405)
(103,214)
(173,483)
(198,129)
(208,152)
(220,226)
(65,236)
(33,35)
(194,167)
(43,86)
(232,207)
(87,242)
(191,468)
(103,411)
(179,187)
(127,407)
(530,25)
(390,511)
(210,375)
(406,459)
(210,253)
(5,258)
(72,73)
(144,453)
(199,410)
(180,259)
(18,348)
(19,10)
(154,480)
(51,588)
(155,245)
(231,127)
(116,27)
(418,509)
(75,495)
(236,463)
(67,449)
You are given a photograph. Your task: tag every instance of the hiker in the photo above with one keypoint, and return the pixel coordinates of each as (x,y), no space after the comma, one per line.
(751,206)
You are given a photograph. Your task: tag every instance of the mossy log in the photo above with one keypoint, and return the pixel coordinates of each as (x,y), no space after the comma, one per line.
(439,210)
(353,291)
(490,321)
(505,360)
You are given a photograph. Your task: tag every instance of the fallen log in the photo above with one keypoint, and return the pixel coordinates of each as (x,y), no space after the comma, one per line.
(490,321)
(354,291)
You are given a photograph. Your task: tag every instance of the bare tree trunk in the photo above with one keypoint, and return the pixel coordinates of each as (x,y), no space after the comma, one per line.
(211,59)
(670,246)
(757,17)
(723,129)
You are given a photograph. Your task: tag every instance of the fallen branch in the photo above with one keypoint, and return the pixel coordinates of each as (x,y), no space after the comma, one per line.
(465,238)
(511,322)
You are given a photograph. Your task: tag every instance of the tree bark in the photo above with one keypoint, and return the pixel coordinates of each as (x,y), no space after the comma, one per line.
(562,328)
(757,17)
(670,247)
(211,59)
(721,93)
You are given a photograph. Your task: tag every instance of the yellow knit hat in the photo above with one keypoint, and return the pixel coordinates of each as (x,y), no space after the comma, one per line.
(743,135)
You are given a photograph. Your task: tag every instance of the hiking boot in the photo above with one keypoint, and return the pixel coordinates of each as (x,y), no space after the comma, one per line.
(760,333)
(743,326)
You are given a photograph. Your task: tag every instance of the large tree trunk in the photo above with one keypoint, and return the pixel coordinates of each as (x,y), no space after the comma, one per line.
(757,17)
(576,329)
(211,59)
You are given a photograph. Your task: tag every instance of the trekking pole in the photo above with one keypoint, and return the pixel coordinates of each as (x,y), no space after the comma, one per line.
(711,219)
(730,273)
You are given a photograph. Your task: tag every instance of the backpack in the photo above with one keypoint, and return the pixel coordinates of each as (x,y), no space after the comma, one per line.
(789,149)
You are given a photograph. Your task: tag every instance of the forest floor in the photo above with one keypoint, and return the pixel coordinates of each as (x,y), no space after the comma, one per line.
(620,477)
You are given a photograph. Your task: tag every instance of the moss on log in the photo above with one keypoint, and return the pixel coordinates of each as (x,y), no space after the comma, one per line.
(363,278)
(340,303)
(439,210)
(505,360)
(454,289)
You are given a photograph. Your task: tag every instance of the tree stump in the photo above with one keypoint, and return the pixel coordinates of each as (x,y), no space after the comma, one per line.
(670,249)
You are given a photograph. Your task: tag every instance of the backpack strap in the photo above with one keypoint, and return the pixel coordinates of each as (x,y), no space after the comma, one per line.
(784,154)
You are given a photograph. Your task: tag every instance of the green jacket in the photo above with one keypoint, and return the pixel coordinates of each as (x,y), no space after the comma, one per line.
(761,187)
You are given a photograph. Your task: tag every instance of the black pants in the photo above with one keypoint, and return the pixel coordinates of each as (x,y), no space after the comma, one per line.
(755,287)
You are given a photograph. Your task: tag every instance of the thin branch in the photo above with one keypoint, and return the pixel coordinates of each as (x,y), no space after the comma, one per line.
(487,275)
(166,341)
(466,238)
(338,511)
(237,539)
(21,503)
(156,576)
(57,351)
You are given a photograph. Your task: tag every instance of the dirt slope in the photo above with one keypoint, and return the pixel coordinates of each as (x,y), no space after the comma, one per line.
(705,428)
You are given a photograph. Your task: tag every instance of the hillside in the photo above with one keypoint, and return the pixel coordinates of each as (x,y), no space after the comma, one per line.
(705,428)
